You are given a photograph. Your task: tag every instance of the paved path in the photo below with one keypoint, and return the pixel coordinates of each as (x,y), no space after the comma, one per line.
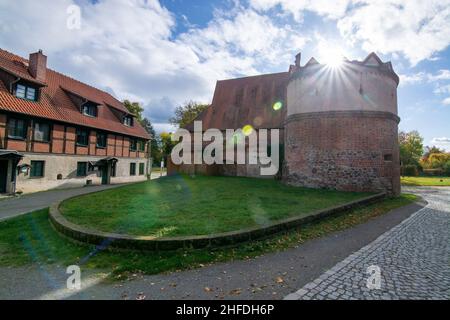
(16,206)
(413,260)
(31,202)
(272,276)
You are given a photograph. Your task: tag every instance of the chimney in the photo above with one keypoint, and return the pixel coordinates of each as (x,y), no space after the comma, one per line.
(298,59)
(37,66)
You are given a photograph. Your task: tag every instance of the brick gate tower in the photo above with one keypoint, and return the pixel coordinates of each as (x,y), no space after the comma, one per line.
(341,127)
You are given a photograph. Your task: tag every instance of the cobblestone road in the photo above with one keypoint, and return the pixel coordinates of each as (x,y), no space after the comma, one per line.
(413,259)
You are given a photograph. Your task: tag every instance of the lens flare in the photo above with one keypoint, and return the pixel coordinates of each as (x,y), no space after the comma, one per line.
(277,105)
(247,130)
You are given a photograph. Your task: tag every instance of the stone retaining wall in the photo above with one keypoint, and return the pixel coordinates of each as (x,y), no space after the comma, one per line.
(104,239)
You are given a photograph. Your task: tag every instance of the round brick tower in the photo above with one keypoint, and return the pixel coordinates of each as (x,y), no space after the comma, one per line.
(341,128)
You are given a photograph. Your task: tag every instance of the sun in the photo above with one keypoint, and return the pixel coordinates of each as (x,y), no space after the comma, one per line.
(331,56)
(333,61)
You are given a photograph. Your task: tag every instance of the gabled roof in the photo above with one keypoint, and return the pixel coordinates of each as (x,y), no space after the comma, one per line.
(372,60)
(311,61)
(247,101)
(55,103)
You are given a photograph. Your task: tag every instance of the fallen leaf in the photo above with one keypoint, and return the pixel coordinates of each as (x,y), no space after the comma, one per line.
(236,292)
(279,280)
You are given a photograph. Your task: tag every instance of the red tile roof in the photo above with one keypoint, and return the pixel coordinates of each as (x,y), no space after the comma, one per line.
(247,101)
(55,104)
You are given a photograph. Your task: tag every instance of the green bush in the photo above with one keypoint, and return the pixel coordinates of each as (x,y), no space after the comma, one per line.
(410,171)
(447,168)
(433,172)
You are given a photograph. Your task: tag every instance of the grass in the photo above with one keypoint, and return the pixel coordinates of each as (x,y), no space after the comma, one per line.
(30,239)
(158,170)
(426,181)
(184,205)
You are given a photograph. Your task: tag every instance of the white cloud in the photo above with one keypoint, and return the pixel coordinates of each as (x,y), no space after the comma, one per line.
(330,9)
(415,78)
(422,77)
(416,28)
(442,143)
(129,48)
(446,101)
(441,89)
(441,75)
(441,140)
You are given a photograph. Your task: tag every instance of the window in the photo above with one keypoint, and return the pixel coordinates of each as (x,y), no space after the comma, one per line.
(141,169)
(31,94)
(142,145)
(113,170)
(26,92)
(132,169)
(37,169)
(82,169)
(128,121)
(17,129)
(41,132)
(101,140)
(82,137)
(89,109)
(388,157)
(133,144)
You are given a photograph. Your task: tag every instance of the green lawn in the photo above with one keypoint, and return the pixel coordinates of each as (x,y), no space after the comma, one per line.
(426,181)
(30,239)
(184,205)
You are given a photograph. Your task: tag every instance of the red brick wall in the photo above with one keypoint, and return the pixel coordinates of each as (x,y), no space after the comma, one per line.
(41,147)
(111,145)
(70,140)
(18,145)
(92,142)
(2,131)
(82,150)
(126,147)
(58,138)
(344,152)
(119,146)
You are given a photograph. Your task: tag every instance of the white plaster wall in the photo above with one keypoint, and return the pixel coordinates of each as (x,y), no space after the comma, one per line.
(325,89)
(67,167)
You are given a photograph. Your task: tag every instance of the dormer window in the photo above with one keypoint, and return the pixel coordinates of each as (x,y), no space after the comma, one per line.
(128,121)
(89,109)
(26,92)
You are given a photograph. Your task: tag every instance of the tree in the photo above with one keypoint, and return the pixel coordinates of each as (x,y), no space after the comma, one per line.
(134,108)
(431,150)
(155,151)
(187,113)
(166,145)
(411,147)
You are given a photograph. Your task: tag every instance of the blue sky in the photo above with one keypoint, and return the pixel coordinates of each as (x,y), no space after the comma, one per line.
(162,53)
